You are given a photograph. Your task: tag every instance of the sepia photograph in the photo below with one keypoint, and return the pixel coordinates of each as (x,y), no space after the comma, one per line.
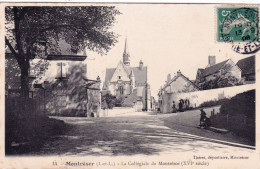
(140,85)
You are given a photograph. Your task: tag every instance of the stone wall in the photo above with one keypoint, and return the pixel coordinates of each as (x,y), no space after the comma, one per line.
(198,97)
(116,111)
(69,97)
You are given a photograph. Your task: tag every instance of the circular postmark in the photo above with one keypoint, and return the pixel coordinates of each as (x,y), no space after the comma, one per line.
(240,28)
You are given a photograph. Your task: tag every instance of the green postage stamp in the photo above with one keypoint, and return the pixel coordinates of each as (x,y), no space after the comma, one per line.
(237,24)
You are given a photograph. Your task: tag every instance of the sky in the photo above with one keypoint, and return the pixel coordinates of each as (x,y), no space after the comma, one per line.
(167,37)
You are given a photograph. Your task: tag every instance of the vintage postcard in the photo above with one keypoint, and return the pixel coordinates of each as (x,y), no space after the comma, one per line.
(128,85)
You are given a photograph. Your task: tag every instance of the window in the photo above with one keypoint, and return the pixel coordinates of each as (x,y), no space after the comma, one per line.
(121,90)
(119,77)
(62,70)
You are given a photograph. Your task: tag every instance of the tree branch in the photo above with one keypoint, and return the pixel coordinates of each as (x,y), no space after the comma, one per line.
(19,60)
(17,30)
(10,46)
(59,26)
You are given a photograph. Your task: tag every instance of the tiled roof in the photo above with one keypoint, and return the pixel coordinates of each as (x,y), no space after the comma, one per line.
(247,65)
(212,69)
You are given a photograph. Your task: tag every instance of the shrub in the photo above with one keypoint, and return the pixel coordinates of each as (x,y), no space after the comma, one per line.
(238,115)
(27,126)
(213,103)
(243,103)
(108,101)
(119,102)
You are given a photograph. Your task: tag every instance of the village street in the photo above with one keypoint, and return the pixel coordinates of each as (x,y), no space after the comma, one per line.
(130,134)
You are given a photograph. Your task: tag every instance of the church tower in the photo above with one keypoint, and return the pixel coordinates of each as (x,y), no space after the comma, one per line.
(126,55)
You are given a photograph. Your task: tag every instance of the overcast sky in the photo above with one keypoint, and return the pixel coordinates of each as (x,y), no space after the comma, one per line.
(167,37)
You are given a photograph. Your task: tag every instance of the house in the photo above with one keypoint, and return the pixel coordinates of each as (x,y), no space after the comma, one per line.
(69,94)
(179,84)
(227,68)
(247,65)
(129,83)
(60,88)
(175,86)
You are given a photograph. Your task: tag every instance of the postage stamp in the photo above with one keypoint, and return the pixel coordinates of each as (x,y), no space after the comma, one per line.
(239,26)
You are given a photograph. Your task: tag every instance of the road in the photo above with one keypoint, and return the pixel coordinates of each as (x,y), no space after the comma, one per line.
(131,134)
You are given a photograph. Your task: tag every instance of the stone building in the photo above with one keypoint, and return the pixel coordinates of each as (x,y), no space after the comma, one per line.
(212,71)
(179,84)
(129,83)
(57,83)
(67,94)
(247,65)
(174,86)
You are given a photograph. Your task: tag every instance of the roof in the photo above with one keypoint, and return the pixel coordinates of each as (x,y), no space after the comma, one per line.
(131,99)
(66,57)
(66,52)
(140,74)
(109,74)
(247,65)
(212,69)
(181,75)
(127,68)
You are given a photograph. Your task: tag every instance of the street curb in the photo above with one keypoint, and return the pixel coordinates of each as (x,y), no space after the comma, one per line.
(218,130)
(211,139)
(215,141)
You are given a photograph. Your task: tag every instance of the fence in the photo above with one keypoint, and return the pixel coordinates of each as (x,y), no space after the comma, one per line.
(16,104)
(198,97)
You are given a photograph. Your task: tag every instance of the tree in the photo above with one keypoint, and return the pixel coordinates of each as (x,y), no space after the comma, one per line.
(224,78)
(28,29)
(119,101)
(108,101)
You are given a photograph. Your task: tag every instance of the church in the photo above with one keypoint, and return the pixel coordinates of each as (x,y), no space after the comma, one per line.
(129,83)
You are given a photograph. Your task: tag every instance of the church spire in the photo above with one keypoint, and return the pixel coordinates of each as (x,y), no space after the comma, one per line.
(126,47)
(126,55)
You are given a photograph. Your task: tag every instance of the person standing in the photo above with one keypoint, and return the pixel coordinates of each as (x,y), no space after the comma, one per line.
(173,107)
(181,105)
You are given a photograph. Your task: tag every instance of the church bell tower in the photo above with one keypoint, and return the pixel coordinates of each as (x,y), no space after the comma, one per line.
(126,55)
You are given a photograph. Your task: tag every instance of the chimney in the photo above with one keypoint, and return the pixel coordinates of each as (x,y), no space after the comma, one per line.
(169,78)
(141,63)
(174,75)
(212,60)
(178,73)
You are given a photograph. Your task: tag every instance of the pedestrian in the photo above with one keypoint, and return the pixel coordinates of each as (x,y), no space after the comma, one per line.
(173,107)
(181,105)
(203,115)
(187,104)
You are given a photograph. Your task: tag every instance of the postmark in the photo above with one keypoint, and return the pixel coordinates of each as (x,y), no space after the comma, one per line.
(239,26)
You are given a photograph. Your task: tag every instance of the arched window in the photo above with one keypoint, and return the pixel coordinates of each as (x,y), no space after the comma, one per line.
(121,90)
